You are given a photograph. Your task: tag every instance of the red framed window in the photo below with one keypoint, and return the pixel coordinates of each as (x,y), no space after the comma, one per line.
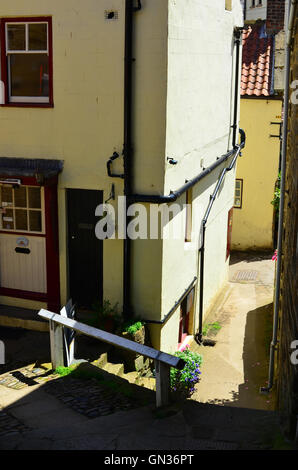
(26,61)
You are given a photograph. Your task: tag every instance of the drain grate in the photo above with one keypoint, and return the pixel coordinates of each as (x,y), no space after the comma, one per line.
(247,276)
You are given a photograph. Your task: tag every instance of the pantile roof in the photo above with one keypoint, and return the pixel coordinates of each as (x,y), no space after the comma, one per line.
(257,61)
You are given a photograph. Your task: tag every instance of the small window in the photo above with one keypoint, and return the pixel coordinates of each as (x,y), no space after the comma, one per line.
(238,194)
(21,209)
(188,226)
(26,55)
(228,5)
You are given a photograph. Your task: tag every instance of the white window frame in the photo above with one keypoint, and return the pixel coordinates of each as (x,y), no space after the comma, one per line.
(25,99)
(27,208)
(240,180)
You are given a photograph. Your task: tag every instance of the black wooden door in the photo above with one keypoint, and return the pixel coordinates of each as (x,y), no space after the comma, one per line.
(84,249)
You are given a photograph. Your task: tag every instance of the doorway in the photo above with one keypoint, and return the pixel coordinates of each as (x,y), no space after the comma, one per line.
(186,317)
(85,251)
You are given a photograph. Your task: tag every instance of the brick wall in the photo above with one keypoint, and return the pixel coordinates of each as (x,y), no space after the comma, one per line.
(288,372)
(275,16)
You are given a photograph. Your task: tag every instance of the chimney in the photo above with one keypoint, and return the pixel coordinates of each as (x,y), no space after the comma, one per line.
(275,16)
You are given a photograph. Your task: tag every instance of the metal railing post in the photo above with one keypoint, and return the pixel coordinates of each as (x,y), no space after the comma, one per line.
(163,361)
(162,372)
(56,344)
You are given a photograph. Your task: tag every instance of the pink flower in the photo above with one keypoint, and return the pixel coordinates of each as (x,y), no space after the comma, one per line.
(274,257)
(184,347)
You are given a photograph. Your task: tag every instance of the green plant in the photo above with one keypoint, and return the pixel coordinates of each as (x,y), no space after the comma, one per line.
(106,315)
(63,371)
(276,198)
(211,326)
(183,381)
(105,309)
(133,326)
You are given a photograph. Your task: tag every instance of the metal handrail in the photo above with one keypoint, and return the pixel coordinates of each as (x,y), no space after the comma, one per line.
(163,361)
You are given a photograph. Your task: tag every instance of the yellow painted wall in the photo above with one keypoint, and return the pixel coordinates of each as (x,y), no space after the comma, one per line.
(85,126)
(258,167)
(183,108)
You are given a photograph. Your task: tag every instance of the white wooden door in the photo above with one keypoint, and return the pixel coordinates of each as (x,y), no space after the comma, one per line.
(23,270)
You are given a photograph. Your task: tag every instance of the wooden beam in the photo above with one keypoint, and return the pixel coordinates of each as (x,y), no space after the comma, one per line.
(162,373)
(56,344)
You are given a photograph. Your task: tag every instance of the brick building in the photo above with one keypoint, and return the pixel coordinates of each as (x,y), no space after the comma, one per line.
(288,322)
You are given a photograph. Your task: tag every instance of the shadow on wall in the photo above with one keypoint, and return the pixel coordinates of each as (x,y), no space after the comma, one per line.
(250,257)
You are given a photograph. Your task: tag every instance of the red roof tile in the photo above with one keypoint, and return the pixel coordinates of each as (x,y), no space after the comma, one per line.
(257,61)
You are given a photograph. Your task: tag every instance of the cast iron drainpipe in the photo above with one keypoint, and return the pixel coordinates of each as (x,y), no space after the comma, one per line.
(127,149)
(238,36)
(274,341)
(199,334)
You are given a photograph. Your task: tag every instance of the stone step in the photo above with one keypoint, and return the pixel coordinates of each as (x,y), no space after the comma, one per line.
(118,370)
(115,369)
(131,377)
(101,361)
(146,382)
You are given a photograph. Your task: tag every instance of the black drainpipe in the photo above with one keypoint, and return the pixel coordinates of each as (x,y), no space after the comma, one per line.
(199,335)
(128,148)
(238,36)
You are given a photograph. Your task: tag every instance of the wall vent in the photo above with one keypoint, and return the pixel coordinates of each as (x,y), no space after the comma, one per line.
(111,15)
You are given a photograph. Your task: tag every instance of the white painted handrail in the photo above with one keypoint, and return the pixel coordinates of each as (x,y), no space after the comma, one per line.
(163,361)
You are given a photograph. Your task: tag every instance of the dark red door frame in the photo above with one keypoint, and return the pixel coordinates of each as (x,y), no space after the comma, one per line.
(52,246)
(52,297)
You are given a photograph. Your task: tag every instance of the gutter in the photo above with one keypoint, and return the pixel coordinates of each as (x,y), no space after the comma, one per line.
(274,341)
(199,335)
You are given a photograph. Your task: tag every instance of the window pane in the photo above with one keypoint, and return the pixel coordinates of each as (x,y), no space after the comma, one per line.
(7,220)
(16,37)
(35,221)
(21,219)
(6,196)
(34,198)
(20,197)
(29,75)
(38,37)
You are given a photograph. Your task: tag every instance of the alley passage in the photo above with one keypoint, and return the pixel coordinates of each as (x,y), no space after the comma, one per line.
(237,366)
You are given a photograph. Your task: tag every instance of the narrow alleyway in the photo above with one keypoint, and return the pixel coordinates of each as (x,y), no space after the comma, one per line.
(237,366)
(35,418)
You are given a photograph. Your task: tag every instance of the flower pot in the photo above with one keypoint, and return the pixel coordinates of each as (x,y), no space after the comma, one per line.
(134,361)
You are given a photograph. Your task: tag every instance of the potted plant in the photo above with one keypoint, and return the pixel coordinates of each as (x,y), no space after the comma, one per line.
(183,381)
(107,314)
(135,330)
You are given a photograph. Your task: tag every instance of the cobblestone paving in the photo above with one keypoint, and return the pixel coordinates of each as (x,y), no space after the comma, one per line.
(26,377)
(90,398)
(9,425)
